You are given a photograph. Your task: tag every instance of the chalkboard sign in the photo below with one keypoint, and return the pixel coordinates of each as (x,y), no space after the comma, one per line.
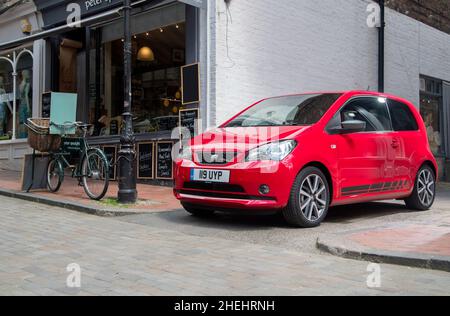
(111,156)
(190,81)
(164,162)
(146,153)
(189,119)
(46,104)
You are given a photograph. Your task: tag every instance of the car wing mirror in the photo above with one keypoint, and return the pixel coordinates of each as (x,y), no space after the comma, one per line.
(353,126)
(347,127)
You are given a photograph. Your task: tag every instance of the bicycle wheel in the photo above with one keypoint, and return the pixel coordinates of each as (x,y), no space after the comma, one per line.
(95,174)
(55,175)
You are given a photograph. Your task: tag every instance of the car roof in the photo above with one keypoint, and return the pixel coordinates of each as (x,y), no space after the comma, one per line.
(346,93)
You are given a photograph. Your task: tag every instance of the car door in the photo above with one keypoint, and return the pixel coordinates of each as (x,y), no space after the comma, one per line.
(406,137)
(365,159)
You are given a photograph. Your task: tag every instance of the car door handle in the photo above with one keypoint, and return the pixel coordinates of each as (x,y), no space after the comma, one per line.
(395,143)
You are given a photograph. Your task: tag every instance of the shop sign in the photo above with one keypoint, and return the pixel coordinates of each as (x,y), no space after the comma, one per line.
(93,4)
(57,12)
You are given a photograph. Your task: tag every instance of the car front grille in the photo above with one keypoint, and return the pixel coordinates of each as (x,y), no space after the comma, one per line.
(215,158)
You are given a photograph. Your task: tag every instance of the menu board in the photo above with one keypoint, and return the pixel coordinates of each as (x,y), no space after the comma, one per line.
(164,162)
(190,81)
(189,119)
(46,104)
(111,156)
(146,153)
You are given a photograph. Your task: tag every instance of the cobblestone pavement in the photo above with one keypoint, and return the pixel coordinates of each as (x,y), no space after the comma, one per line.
(273,230)
(38,242)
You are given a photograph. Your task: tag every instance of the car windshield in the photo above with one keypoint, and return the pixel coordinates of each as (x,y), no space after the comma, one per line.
(298,110)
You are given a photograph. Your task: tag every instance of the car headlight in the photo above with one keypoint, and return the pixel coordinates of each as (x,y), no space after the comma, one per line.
(185,153)
(275,151)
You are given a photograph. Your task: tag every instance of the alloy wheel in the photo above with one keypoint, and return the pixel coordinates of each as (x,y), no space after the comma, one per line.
(313,197)
(426,187)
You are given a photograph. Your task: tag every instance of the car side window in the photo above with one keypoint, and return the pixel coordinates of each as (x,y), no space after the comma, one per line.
(402,117)
(371,110)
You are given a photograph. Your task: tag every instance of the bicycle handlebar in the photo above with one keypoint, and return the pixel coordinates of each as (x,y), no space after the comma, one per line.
(69,125)
(65,125)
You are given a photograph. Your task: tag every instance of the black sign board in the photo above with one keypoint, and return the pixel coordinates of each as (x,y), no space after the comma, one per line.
(190,81)
(146,154)
(189,119)
(164,162)
(56,12)
(111,156)
(46,104)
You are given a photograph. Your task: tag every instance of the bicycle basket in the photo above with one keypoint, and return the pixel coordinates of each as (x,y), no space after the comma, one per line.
(39,137)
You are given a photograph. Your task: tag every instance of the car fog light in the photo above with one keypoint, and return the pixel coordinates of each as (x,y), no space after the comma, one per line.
(264,189)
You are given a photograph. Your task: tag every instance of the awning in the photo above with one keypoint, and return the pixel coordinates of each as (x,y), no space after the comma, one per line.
(101,17)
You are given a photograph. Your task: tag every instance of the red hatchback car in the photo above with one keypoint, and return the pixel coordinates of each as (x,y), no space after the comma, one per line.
(301,154)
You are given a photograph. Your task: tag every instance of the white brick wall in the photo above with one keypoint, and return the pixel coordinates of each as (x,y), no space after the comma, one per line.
(278,47)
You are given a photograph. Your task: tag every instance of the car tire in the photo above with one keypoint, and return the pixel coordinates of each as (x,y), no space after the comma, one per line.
(309,200)
(197,212)
(424,193)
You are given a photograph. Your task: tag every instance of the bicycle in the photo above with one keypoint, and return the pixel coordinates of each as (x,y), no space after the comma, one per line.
(92,170)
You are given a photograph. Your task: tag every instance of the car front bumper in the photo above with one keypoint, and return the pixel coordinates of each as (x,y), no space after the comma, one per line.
(243,190)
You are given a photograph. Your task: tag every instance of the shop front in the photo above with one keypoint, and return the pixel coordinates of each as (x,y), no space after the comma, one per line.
(166,52)
(19,83)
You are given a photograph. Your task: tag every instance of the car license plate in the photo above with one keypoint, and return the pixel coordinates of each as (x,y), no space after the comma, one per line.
(221,176)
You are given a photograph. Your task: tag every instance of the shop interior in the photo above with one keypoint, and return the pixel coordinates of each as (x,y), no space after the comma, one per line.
(157,58)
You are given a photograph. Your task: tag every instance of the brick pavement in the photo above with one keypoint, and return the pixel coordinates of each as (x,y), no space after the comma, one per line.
(151,198)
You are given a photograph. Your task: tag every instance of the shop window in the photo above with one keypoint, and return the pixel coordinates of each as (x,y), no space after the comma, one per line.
(6,100)
(431,111)
(24,94)
(157,57)
(13,122)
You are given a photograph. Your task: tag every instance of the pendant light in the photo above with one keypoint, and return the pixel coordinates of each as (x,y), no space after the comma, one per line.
(146,54)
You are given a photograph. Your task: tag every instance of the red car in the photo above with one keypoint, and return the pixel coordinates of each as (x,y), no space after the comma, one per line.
(301,154)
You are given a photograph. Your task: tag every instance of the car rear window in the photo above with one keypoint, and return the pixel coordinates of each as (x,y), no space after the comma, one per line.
(402,117)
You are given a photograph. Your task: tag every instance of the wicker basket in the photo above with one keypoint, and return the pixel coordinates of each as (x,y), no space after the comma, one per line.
(39,137)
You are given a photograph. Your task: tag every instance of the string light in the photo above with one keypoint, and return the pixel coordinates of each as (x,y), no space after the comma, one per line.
(161,30)
(177,26)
